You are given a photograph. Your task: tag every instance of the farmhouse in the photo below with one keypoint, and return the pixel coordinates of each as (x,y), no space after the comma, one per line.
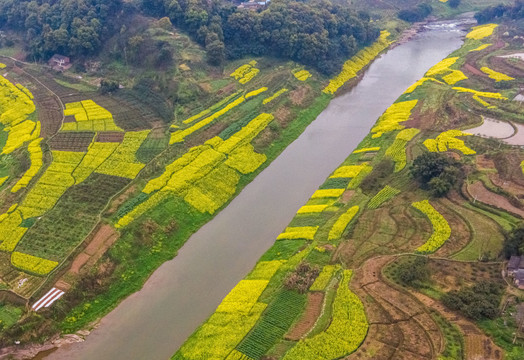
(519,279)
(514,264)
(59,62)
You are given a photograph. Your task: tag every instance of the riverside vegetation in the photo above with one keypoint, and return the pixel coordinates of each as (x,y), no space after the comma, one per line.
(78,167)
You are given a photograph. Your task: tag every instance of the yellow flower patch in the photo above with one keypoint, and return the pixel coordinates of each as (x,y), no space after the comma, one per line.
(246,72)
(2,66)
(395,114)
(3,180)
(342,222)
(441,229)
(36,158)
(447,140)
(324,277)
(420,82)
(441,67)
(274,96)
(32,264)
(89,116)
(265,270)
(348,171)
(368,149)
(454,77)
(357,63)
(327,193)
(397,150)
(298,232)
(495,75)
(122,161)
(302,75)
(481,31)
(481,47)
(306,209)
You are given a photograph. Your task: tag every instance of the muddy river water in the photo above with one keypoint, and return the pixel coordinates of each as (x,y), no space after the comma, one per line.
(152,323)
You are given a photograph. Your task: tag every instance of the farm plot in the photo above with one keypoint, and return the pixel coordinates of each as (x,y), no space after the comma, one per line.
(71,141)
(63,227)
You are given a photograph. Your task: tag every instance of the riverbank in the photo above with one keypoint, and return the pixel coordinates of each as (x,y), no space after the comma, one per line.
(197,247)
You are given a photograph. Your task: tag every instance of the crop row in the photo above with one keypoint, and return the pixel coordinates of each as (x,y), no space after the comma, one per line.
(395,114)
(207,175)
(397,150)
(180,135)
(495,75)
(274,96)
(342,222)
(245,72)
(382,196)
(275,321)
(357,63)
(441,229)
(345,333)
(323,279)
(89,116)
(36,158)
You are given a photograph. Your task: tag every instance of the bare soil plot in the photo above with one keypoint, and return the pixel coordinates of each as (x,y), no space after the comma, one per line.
(71,141)
(110,136)
(314,305)
(480,193)
(400,324)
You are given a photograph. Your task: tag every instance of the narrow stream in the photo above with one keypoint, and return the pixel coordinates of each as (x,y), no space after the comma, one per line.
(153,323)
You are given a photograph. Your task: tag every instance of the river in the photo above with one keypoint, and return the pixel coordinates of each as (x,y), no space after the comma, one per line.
(153,323)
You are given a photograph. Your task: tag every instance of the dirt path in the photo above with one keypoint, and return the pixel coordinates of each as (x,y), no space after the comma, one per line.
(480,193)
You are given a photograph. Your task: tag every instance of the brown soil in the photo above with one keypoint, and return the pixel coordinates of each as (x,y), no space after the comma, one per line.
(470,68)
(480,193)
(205,135)
(509,186)
(283,116)
(104,237)
(110,137)
(484,162)
(121,199)
(400,326)
(347,195)
(315,301)
(478,346)
(460,233)
(299,95)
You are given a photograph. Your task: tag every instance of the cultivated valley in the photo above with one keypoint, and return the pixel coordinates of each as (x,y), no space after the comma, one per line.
(187,185)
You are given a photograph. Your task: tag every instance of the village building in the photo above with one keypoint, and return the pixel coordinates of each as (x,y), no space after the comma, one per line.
(515,269)
(60,62)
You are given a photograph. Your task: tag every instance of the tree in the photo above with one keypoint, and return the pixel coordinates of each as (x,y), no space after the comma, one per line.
(414,273)
(454,3)
(437,173)
(514,242)
(215,52)
(108,86)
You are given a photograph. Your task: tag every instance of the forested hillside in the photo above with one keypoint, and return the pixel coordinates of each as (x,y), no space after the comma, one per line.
(316,33)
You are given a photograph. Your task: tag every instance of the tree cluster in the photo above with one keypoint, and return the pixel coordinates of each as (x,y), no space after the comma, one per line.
(414,272)
(316,33)
(437,173)
(302,278)
(478,302)
(498,11)
(418,13)
(514,243)
(69,27)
